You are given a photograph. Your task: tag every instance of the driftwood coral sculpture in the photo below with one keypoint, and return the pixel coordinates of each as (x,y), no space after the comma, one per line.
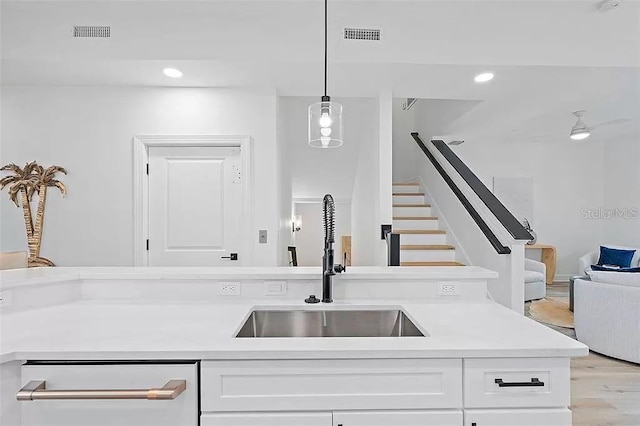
(24,183)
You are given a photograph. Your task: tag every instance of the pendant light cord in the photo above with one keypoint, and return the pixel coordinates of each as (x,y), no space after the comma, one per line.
(325,47)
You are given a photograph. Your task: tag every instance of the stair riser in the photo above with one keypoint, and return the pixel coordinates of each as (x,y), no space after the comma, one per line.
(408,199)
(422,239)
(411,211)
(427,255)
(403,188)
(415,224)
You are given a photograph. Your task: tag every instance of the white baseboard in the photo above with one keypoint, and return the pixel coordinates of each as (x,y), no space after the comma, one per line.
(562,278)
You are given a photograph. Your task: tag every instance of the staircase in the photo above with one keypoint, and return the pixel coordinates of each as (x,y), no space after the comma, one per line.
(422,242)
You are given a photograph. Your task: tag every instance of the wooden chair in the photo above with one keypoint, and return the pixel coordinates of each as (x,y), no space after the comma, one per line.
(13,260)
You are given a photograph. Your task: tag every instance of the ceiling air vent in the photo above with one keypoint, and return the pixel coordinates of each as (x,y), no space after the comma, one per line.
(361,34)
(93,31)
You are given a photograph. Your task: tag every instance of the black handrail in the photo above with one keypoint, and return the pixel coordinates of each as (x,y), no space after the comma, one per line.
(506,218)
(493,240)
(393,245)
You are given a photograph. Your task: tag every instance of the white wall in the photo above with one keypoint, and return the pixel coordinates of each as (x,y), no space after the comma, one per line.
(316,172)
(367,248)
(310,239)
(88,130)
(404,147)
(285,202)
(385,162)
(622,191)
(567,177)
(349,173)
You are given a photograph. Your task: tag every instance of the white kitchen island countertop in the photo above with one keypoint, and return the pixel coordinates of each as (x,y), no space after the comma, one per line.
(103,330)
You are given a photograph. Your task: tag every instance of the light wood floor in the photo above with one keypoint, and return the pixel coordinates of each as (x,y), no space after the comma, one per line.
(604,391)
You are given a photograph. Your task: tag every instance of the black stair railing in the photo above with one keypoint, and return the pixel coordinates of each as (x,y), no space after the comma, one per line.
(393,245)
(502,214)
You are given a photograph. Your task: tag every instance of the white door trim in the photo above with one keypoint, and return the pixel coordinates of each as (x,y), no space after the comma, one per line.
(141,144)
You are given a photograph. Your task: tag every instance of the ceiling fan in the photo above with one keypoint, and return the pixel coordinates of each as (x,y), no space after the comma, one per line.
(580,131)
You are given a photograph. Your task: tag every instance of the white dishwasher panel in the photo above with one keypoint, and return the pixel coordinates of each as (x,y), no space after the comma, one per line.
(110,409)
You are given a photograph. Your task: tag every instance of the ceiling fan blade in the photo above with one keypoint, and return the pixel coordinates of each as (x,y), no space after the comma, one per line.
(525,138)
(615,122)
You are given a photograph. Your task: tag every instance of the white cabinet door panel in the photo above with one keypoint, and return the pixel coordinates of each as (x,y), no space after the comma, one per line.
(182,411)
(195,206)
(408,384)
(398,418)
(266,419)
(516,382)
(518,417)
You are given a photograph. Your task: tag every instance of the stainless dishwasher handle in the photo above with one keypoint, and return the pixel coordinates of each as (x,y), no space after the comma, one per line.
(37,390)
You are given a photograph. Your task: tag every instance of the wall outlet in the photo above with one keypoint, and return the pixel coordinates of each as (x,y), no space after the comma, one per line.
(229,289)
(448,289)
(5,299)
(275,288)
(262,236)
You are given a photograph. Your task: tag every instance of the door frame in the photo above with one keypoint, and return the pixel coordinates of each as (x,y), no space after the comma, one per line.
(141,144)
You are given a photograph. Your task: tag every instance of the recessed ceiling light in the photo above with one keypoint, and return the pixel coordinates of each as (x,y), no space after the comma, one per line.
(172,72)
(484,77)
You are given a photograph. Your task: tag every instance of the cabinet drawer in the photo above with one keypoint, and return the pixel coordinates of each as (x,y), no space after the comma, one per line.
(518,417)
(95,403)
(516,382)
(331,384)
(398,418)
(266,419)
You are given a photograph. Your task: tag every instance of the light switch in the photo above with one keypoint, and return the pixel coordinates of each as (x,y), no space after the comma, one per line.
(262,236)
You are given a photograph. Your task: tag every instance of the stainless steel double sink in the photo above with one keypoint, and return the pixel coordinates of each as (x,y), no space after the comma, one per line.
(328,323)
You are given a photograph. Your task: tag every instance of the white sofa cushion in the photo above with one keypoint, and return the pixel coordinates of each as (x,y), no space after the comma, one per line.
(621,278)
(533,276)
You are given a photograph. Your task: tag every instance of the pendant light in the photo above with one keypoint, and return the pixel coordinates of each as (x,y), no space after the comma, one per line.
(325,117)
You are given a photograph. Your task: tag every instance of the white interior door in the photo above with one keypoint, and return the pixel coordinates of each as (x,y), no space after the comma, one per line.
(195,206)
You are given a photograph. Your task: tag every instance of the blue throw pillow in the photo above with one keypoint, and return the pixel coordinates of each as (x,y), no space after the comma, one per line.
(616,257)
(605,268)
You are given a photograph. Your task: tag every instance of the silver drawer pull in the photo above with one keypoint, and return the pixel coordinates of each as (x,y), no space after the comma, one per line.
(37,390)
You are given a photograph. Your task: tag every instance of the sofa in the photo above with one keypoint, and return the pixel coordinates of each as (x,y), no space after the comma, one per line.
(607,313)
(535,274)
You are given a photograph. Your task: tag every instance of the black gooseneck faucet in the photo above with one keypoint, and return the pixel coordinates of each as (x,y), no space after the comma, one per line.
(328,268)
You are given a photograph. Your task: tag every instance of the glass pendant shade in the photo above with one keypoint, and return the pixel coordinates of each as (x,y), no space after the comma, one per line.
(325,124)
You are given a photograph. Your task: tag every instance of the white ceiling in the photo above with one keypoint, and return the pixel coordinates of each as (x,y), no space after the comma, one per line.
(550,57)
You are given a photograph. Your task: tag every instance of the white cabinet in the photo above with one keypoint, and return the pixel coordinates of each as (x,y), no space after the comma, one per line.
(266,419)
(386,392)
(518,417)
(398,418)
(329,385)
(110,394)
(516,383)
(343,418)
